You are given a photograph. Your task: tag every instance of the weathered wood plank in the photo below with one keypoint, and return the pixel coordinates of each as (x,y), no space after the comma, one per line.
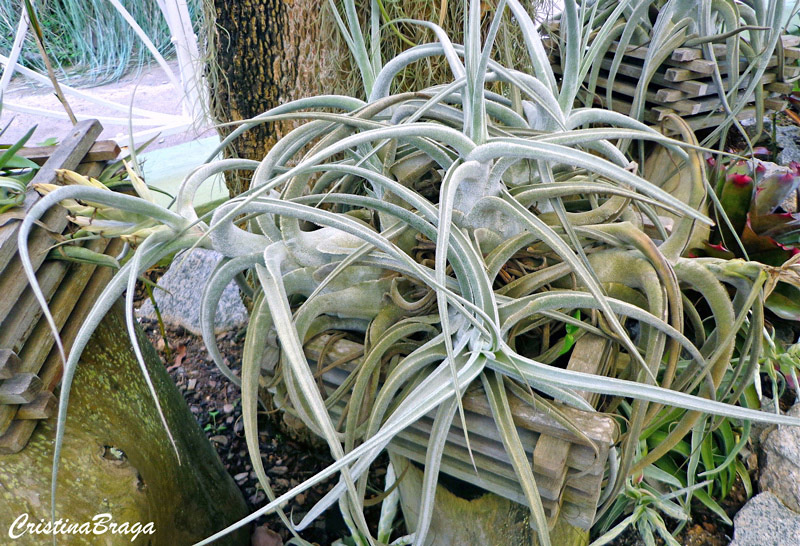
(102,150)
(550,455)
(42,407)
(496,473)
(628,88)
(37,345)
(16,436)
(10,364)
(23,315)
(20,308)
(693,88)
(52,369)
(780,87)
(20,389)
(550,458)
(70,306)
(597,427)
(679,55)
(790,40)
(679,74)
(72,150)
(7,414)
(791,52)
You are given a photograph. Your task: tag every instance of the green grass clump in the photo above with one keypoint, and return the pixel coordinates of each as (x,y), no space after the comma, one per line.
(88,41)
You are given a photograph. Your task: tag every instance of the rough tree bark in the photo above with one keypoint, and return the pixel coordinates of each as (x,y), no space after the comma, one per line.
(267,52)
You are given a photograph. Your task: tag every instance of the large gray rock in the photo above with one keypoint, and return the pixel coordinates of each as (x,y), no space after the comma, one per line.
(765,521)
(183,284)
(780,469)
(788,138)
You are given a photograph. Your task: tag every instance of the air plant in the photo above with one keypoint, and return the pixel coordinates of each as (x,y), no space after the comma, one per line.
(446,229)
(749,30)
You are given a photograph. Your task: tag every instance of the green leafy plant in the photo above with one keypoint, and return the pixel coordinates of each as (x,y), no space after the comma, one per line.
(213,426)
(703,468)
(391,219)
(15,173)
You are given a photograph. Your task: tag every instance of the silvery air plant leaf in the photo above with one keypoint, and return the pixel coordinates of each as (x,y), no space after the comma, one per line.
(455,233)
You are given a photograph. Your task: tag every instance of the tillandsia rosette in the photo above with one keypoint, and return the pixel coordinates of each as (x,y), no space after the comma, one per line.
(454,232)
(753,224)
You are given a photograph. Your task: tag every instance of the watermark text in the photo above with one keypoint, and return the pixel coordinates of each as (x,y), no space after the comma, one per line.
(100,524)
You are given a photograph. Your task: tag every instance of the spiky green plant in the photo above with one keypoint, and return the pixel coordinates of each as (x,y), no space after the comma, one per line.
(451,227)
(15,172)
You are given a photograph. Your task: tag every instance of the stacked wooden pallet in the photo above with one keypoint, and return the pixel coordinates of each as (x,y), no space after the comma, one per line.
(30,365)
(569,471)
(684,84)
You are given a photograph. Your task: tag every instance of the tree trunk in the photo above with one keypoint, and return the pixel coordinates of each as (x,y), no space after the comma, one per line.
(117,457)
(266,53)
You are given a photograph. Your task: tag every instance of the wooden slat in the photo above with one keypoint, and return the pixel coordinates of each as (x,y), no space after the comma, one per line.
(791,52)
(21,318)
(580,468)
(51,370)
(22,311)
(17,436)
(628,88)
(681,54)
(7,414)
(690,89)
(68,156)
(780,87)
(37,345)
(790,40)
(679,74)
(101,150)
(550,454)
(775,104)
(10,364)
(704,121)
(40,341)
(42,407)
(20,389)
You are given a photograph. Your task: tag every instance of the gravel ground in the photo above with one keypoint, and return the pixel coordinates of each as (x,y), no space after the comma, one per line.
(216,404)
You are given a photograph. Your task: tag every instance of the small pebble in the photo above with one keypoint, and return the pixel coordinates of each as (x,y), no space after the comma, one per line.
(241,476)
(227,408)
(278,470)
(220,439)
